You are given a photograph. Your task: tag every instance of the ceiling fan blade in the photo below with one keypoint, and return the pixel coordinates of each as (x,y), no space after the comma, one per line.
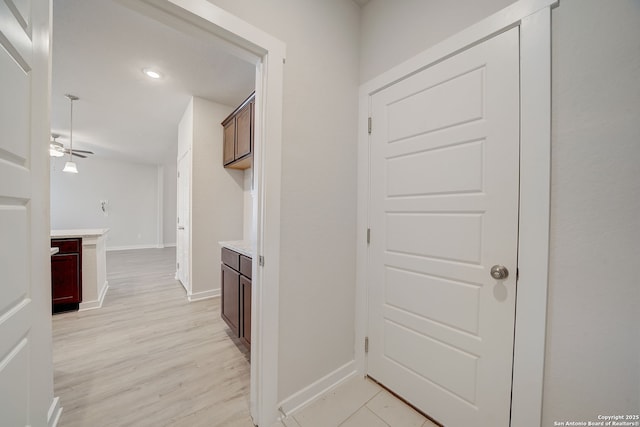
(75,152)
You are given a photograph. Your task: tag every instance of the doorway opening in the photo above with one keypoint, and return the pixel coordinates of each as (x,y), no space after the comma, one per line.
(211,24)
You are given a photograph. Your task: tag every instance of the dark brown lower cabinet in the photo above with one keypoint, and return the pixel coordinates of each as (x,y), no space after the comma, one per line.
(66,274)
(236,294)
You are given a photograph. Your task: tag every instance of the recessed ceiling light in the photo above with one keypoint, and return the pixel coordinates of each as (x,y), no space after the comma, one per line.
(151,73)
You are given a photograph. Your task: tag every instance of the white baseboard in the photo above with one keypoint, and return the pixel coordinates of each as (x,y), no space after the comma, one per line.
(132,247)
(308,394)
(55,411)
(92,305)
(203,295)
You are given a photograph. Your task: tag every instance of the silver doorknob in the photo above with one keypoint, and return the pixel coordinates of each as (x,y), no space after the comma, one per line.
(499,272)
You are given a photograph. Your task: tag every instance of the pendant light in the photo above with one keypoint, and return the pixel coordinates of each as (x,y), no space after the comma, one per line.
(70,166)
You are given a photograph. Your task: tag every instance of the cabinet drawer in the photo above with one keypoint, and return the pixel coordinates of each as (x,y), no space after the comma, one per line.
(66,246)
(245,266)
(231,258)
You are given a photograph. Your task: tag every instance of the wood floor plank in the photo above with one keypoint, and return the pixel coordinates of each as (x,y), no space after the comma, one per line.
(148,357)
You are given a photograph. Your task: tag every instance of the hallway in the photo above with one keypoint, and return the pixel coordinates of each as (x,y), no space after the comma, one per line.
(148,357)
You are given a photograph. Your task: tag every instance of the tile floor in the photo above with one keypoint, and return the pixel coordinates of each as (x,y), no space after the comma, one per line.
(357,403)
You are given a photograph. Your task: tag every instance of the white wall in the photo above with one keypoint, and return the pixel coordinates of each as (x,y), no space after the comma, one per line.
(593,339)
(593,331)
(216,196)
(318,211)
(169,202)
(394,31)
(130,188)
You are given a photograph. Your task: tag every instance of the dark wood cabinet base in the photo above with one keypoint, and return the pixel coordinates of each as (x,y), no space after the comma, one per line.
(236,294)
(66,275)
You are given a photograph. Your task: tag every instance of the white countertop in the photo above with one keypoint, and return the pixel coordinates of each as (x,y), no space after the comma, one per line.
(80,232)
(244,247)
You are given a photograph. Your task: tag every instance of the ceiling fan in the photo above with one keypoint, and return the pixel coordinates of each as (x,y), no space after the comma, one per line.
(56,149)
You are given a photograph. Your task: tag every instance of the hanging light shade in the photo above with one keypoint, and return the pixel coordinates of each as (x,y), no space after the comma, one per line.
(70,166)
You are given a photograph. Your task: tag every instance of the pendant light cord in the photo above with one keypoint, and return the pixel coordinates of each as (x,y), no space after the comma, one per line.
(71,132)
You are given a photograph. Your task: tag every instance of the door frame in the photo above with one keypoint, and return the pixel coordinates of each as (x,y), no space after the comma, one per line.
(213,24)
(533,17)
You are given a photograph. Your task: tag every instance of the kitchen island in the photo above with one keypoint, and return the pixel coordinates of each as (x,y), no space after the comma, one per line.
(94,263)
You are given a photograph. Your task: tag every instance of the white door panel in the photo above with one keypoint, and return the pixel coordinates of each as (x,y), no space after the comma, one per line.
(14,111)
(13,229)
(444,200)
(25,374)
(439,102)
(451,169)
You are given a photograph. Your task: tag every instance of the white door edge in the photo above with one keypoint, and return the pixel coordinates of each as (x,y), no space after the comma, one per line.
(534,19)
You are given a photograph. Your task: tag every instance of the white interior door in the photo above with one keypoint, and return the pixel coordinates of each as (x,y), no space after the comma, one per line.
(26,374)
(182,233)
(444,210)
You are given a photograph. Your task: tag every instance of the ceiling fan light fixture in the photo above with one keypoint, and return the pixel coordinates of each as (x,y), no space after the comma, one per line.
(70,167)
(151,73)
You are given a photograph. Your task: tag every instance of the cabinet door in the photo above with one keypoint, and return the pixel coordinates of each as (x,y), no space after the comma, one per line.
(65,279)
(243,132)
(245,286)
(231,298)
(228,154)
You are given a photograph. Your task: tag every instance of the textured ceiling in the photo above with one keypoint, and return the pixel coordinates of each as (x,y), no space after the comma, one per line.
(99,50)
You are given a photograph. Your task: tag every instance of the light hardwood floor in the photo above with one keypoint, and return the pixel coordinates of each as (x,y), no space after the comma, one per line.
(148,357)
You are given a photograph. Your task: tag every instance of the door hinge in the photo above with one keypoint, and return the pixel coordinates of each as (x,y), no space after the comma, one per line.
(517,274)
(178,174)
(261,261)
(366,344)
(368,236)
(177,266)
(369,125)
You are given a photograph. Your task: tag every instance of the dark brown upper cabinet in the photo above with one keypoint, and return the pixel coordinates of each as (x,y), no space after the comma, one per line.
(238,136)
